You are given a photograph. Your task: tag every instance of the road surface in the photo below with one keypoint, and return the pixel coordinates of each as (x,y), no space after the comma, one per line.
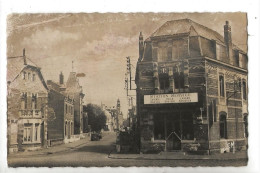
(95,154)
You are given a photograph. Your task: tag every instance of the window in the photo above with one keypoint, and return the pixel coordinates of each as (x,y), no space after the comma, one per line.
(24,75)
(29,76)
(159,131)
(164,81)
(27,133)
(36,132)
(34,101)
(244,90)
(246,125)
(33,77)
(178,80)
(24,101)
(223,126)
(162,54)
(66,128)
(221,86)
(66,108)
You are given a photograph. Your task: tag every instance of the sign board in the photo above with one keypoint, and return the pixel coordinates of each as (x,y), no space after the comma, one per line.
(171,98)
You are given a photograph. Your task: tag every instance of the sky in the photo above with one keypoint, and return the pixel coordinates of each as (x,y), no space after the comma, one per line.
(98,44)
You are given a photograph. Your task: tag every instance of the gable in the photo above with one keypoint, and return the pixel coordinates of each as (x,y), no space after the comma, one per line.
(29,79)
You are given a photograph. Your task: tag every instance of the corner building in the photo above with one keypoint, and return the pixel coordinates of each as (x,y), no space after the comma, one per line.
(191,90)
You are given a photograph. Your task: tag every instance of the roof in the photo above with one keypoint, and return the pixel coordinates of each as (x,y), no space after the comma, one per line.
(72,84)
(15,65)
(187,26)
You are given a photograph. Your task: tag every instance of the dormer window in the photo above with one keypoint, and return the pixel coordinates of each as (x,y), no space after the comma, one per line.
(24,75)
(29,76)
(33,77)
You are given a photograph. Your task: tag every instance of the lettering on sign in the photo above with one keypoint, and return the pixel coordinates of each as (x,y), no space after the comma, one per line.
(171,98)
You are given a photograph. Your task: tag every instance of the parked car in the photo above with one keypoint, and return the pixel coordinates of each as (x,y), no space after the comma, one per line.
(96,136)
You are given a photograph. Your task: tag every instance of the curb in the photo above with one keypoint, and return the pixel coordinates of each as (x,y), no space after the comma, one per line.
(160,157)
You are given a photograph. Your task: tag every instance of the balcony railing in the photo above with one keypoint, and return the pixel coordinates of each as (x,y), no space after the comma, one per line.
(32,113)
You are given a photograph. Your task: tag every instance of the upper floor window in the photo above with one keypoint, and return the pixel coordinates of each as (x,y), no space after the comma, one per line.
(29,76)
(24,101)
(178,80)
(221,86)
(244,90)
(162,54)
(164,81)
(33,77)
(34,101)
(24,75)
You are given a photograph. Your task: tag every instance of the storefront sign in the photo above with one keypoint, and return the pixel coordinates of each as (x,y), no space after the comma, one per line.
(171,98)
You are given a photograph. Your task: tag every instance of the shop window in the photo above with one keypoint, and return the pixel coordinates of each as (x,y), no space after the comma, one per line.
(223,126)
(187,131)
(159,127)
(244,90)
(221,86)
(27,133)
(164,81)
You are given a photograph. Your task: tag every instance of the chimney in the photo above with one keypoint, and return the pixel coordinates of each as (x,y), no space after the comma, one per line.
(24,57)
(228,39)
(61,78)
(141,46)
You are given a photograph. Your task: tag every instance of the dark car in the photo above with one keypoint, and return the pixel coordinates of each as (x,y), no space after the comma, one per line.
(96,136)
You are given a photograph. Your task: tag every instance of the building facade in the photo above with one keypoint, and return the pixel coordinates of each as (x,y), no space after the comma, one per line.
(191,90)
(61,124)
(27,105)
(75,91)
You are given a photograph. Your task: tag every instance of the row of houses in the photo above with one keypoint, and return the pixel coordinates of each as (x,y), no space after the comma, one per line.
(41,113)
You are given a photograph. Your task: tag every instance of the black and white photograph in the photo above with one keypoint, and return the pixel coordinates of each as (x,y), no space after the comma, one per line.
(128,89)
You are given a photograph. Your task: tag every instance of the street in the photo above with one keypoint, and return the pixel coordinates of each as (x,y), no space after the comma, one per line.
(95,154)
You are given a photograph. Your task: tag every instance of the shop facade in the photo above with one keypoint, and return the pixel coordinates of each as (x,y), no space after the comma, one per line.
(191,90)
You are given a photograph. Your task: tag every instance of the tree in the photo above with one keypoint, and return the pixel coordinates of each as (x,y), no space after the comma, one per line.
(96,117)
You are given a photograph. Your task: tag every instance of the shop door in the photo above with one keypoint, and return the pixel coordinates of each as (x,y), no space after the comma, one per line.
(173,134)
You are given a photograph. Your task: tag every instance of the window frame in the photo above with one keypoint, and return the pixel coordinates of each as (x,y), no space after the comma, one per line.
(223,121)
(221,85)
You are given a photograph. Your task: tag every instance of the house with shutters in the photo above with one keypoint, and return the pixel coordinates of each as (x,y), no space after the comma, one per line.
(191,90)
(27,105)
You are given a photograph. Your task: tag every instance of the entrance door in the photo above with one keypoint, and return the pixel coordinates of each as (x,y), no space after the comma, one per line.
(173,133)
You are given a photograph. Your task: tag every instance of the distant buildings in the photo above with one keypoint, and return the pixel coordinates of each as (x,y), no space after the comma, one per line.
(191,90)
(115,119)
(27,102)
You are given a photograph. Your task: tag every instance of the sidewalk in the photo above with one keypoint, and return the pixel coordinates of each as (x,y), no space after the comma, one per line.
(179,156)
(51,150)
